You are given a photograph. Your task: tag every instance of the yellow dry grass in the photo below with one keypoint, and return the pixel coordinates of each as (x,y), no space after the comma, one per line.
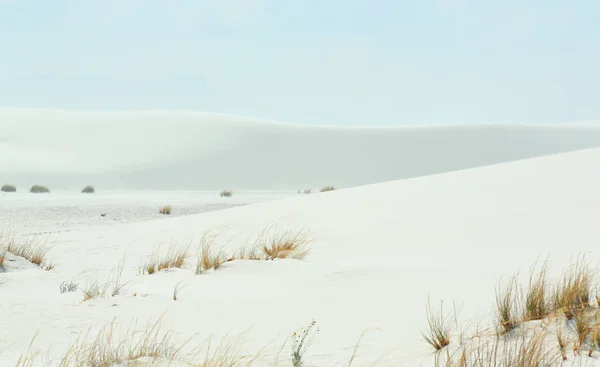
(284,244)
(165,209)
(33,249)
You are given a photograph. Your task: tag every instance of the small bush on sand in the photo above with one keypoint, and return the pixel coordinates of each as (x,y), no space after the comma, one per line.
(165,210)
(8,188)
(438,335)
(226,193)
(88,190)
(328,188)
(38,189)
(288,244)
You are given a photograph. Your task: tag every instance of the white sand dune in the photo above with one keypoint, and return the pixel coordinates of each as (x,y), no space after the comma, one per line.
(185,150)
(380,250)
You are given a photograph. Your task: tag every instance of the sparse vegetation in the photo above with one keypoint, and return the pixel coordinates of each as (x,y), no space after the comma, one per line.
(536,298)
(286,244)
(301,340)
(8,188)
(573,292)
(226,193)
(67,287)
(88,189)
(438,335)
(32,249)
(328,188)
(206,255)
(165,210)
(94,289)
(38,189)
(3,250)
(506,312)
(174,258)
(176,291)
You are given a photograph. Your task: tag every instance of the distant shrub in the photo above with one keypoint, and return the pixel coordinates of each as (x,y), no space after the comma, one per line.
(308,191)
(165,209)
(39,189)
(226,193)
(8,188)
(328,188)
(88,189)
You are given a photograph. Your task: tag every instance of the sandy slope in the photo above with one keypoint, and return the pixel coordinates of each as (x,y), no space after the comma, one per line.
(174,150)
(381,250)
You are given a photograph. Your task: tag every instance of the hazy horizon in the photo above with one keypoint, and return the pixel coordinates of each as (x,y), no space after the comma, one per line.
(337,63)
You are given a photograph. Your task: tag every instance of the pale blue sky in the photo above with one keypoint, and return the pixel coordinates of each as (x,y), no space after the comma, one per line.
(359,62)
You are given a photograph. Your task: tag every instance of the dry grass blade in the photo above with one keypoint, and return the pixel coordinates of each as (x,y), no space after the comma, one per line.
(226,354)
(562,343)
(438,335)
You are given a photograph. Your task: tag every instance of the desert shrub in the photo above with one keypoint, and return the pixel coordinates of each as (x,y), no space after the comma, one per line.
(88,189)
(165,210)
(39,189)
(307,191)
(327,188)
(226,193)
(8,188)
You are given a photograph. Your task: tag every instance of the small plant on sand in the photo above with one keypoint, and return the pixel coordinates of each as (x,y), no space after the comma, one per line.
(8,188)
(536,298)
(206,255)
(174,258)
(288,244)
(39,189)
(438,335)
(301,340)
(573,292)
(67,287)
(583,329)
(562,343)
(226,193)
(94,289)
(32,249)
(506,312)
(89,189)
(165,209)
(176,291)
(327,188)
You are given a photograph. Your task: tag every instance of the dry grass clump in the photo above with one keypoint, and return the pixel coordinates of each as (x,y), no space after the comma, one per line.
(536,298)
(39,189)
(506,307)
(94,289)
(328,188)
(438,334)
(165,209)
(8,188)
(288,244)
(32,249)
(226,193)
(89,189)
(572,294)
(207,256)
(3,251)
(174,258)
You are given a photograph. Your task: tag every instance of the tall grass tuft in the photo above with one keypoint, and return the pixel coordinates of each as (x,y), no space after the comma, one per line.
(536,298)
(32,249)
(573,292)
(506,309)
(207,257)
(438,335)
(287,244)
